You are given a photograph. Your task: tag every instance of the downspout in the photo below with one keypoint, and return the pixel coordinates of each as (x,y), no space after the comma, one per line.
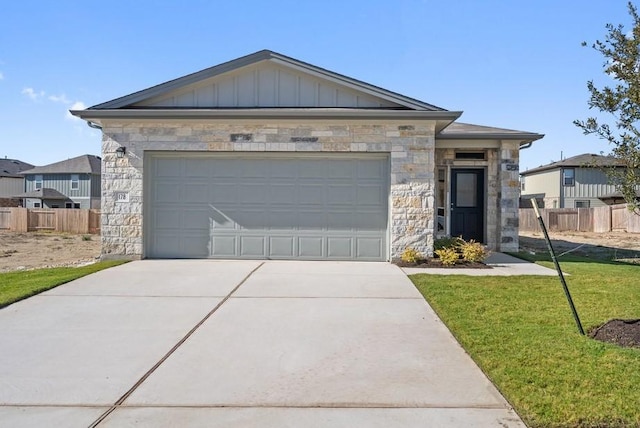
(93,125)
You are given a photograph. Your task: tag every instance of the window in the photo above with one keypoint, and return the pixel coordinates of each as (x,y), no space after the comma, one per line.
(568,177)
(38,182)
(55,206)
(36,205)
(583,204)
(75,181)
(75,205)
(470,155)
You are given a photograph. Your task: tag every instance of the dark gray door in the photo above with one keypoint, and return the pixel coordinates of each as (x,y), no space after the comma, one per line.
(274,206)
(467,204)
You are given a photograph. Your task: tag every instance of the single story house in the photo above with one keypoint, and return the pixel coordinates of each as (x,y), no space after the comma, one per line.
(270,157)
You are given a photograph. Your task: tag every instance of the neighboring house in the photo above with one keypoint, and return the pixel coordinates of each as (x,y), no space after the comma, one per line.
(269,157)
(575,182)
(72,183)
(11,181)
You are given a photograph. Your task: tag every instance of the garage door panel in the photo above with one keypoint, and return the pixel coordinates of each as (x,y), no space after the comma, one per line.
(223,246)
(224,192)
(339,248)
(369,248)
(256,193)
(282,247)
(341,169)
(261,206)
(222,219)
(311,194)
(311,247)
(170,192)
(370,195)
(282,194)
(197,168)
(340,194)
(252,246)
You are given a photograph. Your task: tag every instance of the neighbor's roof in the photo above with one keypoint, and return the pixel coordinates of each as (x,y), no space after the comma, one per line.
(459,130)
(13,167)
(586,160)
(89,164)
(45,193)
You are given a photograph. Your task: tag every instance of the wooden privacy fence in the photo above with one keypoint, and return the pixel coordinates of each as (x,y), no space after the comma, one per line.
(55,220)
(600,219)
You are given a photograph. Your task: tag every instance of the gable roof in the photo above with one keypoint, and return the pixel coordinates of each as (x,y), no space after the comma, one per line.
(265,85)
(260,56)
(585,160)
(459,130)
(12,168)
(88,164)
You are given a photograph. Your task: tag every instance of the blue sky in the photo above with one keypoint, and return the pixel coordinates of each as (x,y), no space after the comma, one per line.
(507,63)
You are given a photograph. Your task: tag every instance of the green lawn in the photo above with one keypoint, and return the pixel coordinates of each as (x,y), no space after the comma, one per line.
(19,285)
(520,331)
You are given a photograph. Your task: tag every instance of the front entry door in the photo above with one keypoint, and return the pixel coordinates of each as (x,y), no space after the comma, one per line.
(467,204)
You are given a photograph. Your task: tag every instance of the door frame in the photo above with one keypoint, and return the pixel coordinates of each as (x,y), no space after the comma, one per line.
(482,196)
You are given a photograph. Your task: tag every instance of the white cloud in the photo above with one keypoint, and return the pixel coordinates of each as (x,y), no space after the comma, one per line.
(31,93)
(78,105)
(60,99)
(1,75)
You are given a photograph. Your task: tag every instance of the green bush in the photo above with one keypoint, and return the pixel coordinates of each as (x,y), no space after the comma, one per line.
(446,242)
(448,256)
(410,255)
(473,251)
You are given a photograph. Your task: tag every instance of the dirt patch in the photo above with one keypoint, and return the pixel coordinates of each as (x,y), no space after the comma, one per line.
(621,332)
(621,246)
(24,251)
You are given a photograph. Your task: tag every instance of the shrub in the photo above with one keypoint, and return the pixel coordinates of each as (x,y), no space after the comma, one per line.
(446,242)
(448,256)
(410,255)
(473,251)
(86,237)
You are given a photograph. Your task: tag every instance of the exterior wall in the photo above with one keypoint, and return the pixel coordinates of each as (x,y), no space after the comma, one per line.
(589,184)
(267,85)
(501,191)
(9,187)
(410,145)
(547,183)
(87,194)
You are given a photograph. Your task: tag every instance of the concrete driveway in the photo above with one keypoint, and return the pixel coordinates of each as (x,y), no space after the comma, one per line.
(239,344)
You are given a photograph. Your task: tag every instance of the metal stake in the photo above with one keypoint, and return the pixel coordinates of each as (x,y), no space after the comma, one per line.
(555,262)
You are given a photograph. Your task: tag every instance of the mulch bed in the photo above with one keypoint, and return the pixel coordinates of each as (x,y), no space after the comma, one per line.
(435,263)
(621,332)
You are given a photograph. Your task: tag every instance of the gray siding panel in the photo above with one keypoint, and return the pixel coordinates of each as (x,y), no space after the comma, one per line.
(267,85)
(9,187)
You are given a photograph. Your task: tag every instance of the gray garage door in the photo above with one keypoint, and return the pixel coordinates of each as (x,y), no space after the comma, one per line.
(271,206)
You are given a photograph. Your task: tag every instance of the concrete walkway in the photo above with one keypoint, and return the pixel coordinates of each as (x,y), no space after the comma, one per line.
(501,264)
(239,344)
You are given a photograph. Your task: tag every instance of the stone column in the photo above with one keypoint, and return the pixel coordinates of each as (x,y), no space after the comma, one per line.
(509,194)
(412,188)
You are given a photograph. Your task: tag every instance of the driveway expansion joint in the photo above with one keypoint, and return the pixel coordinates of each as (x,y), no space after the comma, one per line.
(144,377)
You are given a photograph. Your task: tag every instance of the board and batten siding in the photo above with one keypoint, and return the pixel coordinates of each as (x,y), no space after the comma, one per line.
(266,85)
(590,183)
(10,186)
(87,194)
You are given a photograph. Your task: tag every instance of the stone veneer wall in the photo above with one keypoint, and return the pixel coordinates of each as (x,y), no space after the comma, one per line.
(410,145)
(502,191)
